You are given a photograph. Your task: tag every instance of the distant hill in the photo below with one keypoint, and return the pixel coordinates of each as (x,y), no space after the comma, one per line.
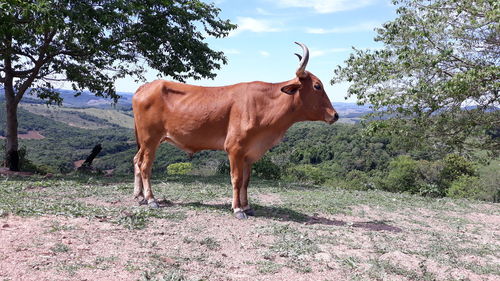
(349,112)
(85,100)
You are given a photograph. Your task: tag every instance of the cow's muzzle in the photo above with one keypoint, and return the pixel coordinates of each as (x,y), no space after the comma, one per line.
(332,118)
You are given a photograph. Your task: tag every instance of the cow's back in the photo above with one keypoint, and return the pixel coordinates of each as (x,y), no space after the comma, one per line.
(191,117)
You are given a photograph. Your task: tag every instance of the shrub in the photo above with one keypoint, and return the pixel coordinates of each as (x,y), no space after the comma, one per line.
(454,166)
(429,178)
(182,168)
(465,186)
(402,176)
(266,169)
(359,180)
(490,182)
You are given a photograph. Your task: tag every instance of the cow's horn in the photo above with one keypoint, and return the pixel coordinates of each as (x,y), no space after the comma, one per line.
(301,71)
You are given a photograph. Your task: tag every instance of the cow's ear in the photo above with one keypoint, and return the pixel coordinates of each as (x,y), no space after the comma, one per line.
(291,88)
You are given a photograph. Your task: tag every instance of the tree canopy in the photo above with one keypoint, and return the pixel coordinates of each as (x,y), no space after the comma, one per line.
(92,43)
(436,79)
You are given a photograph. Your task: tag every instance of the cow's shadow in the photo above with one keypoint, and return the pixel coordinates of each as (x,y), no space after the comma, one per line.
(286,214)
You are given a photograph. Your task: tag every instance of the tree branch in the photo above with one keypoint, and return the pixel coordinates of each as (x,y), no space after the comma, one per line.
(42,59)
(22,73)
(27,55)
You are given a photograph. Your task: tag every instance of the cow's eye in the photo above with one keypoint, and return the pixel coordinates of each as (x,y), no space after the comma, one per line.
(317,86)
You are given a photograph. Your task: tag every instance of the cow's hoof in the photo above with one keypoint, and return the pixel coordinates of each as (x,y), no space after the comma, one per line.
(240,215)
(143,202)
(154,204)
(250,212)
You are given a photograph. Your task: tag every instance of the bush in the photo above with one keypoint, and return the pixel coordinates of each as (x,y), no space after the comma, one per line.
(454,166)
(490,182)
(266,169)
(182,168)
(402,176)
(359,180)
(465,186)
(429,178)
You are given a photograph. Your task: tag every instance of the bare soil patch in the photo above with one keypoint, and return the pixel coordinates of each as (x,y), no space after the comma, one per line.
(30,135)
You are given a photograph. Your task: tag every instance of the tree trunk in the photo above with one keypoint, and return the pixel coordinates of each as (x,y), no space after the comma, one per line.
(12,144)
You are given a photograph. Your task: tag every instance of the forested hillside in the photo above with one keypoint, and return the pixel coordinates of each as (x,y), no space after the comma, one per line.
(339,155)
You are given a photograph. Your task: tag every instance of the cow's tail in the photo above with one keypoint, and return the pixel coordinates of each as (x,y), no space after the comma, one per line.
(136,138)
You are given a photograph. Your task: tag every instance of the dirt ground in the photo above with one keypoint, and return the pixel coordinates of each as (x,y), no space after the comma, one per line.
(205,242)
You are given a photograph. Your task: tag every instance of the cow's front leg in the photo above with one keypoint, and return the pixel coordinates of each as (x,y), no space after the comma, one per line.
(237,179)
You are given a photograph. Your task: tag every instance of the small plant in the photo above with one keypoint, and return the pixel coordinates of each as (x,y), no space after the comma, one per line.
(60,248)
(182,168)
(210,243)
(268,267)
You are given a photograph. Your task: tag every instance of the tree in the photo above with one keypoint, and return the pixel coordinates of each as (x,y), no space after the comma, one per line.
(90,44)
(436,80)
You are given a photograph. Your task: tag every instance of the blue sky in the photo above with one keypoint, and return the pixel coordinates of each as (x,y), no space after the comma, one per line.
(262,47)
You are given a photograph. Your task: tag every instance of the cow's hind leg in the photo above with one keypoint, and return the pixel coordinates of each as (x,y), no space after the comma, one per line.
(247,170)
(137,176)
(145,169)
(138,188)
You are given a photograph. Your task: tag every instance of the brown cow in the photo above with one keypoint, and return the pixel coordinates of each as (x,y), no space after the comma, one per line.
(245,120)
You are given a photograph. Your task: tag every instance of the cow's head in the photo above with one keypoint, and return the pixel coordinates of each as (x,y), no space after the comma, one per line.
(314,104)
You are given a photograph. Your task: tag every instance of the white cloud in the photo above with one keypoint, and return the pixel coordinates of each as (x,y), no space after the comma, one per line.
(364,26)
(264,53)
(326,6)
(319,53)
(255,25)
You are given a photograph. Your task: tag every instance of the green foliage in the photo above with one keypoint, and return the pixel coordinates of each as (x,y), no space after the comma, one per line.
(455,166)
(360,180)
(490,181)
(347,158)
(182,168)
(429,178)
(465,186)
(306,173)
(438,57)
(91,45)
(28,166)
(266,169)
(402,175)
(78,39)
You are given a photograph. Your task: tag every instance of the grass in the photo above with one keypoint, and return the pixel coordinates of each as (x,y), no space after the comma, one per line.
(350,230)
(60,248)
